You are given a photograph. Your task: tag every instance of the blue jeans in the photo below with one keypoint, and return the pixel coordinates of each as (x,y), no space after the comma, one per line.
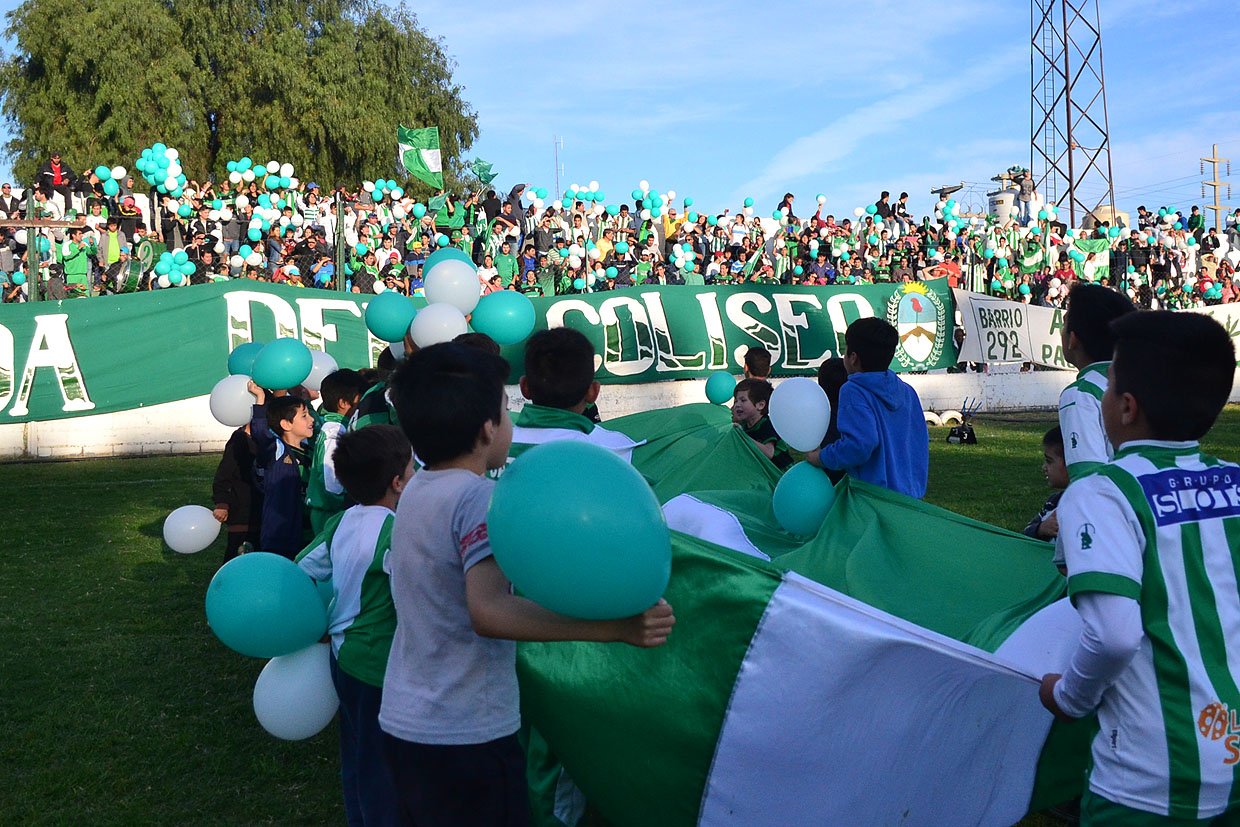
(1026,211)
(369,794)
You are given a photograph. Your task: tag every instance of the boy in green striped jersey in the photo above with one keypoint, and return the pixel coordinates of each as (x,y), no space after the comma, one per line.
(1152,545)
(351,552)
(1087,344)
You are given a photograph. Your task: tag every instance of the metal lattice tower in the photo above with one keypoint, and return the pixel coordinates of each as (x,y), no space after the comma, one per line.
(1070,145)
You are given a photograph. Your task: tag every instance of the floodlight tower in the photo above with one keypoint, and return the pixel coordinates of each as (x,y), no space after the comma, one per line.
(1070,144)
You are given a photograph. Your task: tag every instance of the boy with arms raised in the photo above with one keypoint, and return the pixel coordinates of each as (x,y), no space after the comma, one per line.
(450,708)
(280,427)
(1087,344)
(374,466)
(883,438)
(1152,540)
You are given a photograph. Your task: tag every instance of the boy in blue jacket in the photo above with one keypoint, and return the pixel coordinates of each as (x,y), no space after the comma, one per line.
(883,438)
(280,427)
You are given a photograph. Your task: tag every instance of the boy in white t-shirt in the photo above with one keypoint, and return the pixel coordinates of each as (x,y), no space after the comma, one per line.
(450,700)
(1152,543)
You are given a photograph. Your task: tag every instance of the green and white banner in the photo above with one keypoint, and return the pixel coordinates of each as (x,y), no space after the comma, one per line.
(115,353)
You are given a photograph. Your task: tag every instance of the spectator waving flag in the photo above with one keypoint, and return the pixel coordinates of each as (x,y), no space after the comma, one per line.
(419,154)
(483,170)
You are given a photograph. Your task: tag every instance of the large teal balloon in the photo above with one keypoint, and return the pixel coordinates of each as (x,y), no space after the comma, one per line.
(720,387)
(802,499)
(241,360)
(505,315)
(263,605)
(111,187)
(419,210)
(284,363)
(570,550)
(389,315)
(443,254)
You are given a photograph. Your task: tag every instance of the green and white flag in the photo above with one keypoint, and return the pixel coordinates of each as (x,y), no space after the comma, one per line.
(482,169)
(419,154)
(883,671)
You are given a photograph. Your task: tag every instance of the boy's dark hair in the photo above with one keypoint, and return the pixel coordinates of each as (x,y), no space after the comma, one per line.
(481,341)
(340,385)
(281,408)
(444,394)
(1178,366)
(758,362)
(758,390)
(370,377)
(386,361)
(1053,439)
(559,367)
(874,340)
(1091,309)
(832,374)
(367,459)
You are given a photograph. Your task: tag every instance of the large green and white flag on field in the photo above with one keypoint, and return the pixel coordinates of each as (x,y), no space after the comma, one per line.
(883,671)
(419,154)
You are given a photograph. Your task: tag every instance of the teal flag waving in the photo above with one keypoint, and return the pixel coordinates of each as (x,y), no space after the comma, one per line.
(419,154)
(482,169)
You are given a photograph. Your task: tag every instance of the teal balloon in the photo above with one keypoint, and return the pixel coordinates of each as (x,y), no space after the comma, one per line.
(873,239)
(995,284)
(655,212)
(1024,290)
(505,315)
(579,284)
(720,387)
(327,593)
(622,247)
(1177,226)
(871,209)
(159,148)
(803,497)
(184,211)
(241,360)
(1149,239)
(570,550)
(188,268)
(175,277)
(245,250)
(1113,232)
(637,195)
(1042,215)
(612,209)
(263,605)
(600,197)
(611,272)
(111,187)
(748,202)
(844,255)
(541,192)
(284,363)
(254,234)
(272,182)
(1131,269)
(988,253)
(1035,231)
(585,196)
(712,220)
(361,250)
(777,215)
(162,267)
(443,254)
(244,163)
(18,278)
(389,315)
(419,210)
(442,240)
(692,218)
(231,166)
(688,201)
(180,257)
(656,200)
(264,201)
(798,270)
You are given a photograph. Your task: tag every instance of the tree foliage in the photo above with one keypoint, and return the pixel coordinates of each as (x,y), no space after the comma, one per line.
(320,85)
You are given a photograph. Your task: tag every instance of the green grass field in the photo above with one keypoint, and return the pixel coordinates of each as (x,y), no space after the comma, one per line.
(120,706)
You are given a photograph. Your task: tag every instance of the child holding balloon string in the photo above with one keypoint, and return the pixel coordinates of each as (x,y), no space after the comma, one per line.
(450,708)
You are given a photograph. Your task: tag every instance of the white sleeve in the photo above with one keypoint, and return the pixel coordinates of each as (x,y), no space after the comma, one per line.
(330,435)
(1111,638)
(317,560)
(1085,444)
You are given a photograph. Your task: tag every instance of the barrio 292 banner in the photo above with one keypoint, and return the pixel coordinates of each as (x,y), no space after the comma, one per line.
(98,355)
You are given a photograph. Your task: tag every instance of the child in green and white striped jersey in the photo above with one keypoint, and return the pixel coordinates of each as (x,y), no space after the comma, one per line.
(1152,546)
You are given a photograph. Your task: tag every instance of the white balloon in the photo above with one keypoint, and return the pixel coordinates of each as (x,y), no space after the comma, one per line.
(1053,292)
(294,697)
(1056,282)
(538,203)
(379,286)
(234,177)
(247,175)
(236,262)
(749,211)
(273,167)
(599,209)
(800,413)
(323,365)
(453,282)
(20,235)
(297,220)
(213,215)
(858,211)
(398,349)
(118,172)
(219,247)
(231,402)
(439,322)
(173,170)
(256,224)
(164,282)
(170,183)
(398,213)
(254,259)
(670,195)
(645,215)
(783,211)
(574,188)
(172,154)
(595,254)
(594,186)
(644,186)
(286,170)
(190,528)
(293,182)
(822,199)
(574,262)
(285,221)
(243,201)
(369,186)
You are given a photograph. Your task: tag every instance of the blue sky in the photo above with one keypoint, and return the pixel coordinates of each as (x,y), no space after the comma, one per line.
(723,101)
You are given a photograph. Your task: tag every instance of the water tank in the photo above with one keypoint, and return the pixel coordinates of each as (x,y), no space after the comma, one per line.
(1002,205)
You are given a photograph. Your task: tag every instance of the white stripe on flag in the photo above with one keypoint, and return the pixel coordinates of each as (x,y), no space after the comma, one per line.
(1045,642)
(689,515)
(843,714)
(611,440)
